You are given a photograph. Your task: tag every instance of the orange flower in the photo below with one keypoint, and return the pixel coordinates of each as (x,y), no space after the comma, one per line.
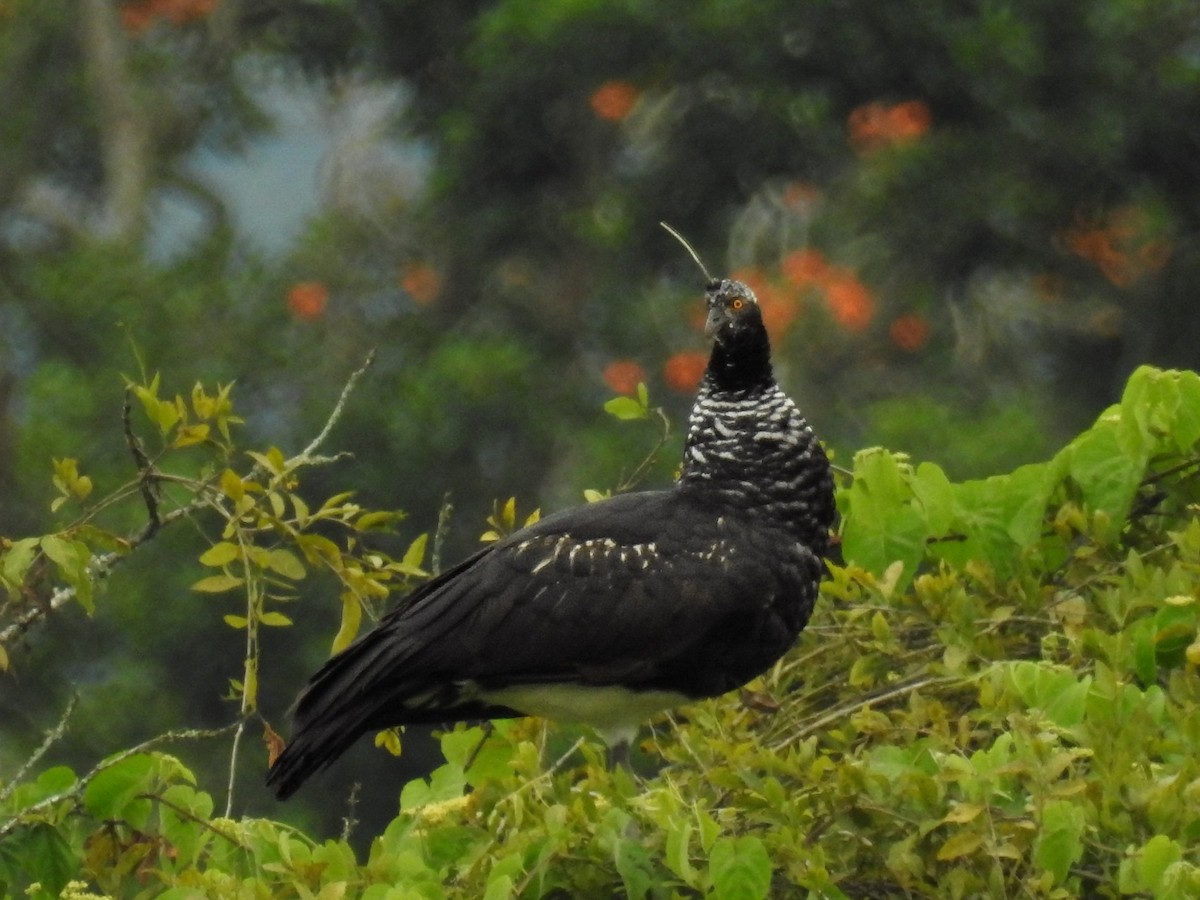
(850,302)
(874,126)
(804,267)
(422,282)
(683,371)
(614,100)
(624,375)
(1121,244)
(909,332)
(136,17)
(307,300)
(909,120)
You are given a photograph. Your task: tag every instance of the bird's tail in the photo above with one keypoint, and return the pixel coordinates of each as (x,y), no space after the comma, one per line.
(381,679)
(338,706)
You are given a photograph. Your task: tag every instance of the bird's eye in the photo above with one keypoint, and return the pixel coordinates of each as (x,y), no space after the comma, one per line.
(736,303)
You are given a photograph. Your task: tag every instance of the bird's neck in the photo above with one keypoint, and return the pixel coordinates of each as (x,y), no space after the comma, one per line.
(749,449)
(741,367)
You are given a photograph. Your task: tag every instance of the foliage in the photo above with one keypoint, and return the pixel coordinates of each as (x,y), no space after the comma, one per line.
(945,212)
(996,697)
(966,227)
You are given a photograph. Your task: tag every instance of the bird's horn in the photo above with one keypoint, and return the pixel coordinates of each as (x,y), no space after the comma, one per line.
(688,247)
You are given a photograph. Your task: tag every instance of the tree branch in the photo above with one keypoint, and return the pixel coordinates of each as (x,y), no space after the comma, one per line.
(76,790)
(53,736)
(307,454)
(102,564)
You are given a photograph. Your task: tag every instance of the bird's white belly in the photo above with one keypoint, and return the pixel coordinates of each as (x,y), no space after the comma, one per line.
(613,710)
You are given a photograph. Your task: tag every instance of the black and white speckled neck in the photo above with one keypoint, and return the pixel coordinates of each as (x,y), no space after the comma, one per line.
(748,446)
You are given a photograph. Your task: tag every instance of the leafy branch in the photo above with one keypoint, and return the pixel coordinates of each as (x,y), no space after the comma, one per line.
(638,408)
(75,792)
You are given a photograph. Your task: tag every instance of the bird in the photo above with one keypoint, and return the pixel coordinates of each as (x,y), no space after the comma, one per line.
(610,612)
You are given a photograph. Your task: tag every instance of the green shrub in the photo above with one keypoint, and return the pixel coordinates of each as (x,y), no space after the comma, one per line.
(996,697)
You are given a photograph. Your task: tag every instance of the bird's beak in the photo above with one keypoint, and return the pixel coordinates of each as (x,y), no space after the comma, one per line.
(716,318)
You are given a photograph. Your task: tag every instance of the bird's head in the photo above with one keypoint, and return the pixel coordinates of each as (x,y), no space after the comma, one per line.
(733,312)
(741,355)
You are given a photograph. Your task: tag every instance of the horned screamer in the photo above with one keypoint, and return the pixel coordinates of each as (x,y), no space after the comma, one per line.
(610,612)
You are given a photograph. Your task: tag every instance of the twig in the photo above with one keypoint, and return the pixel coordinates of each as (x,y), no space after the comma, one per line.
(98,568)
(185,813)
(233,755)
(53,736)
(640,472)
(548,773)
(306,454)
(820,722)
(489,728)
(350,821)
(439,535)
(78,787)
(145,471)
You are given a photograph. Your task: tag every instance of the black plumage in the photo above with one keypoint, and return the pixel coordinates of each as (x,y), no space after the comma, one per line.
(609,612)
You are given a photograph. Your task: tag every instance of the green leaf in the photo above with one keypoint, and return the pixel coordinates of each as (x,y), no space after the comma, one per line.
(231,485)
(740,869)
(633,865)
(273,460)
(1141,635)
(445,783)
(1159,854)
(935,494)
(1108,477)
(961,843)
(882,524)
(64,555)
(500,888)
(72,559)
(220,554)
(113,792)
(16,562)
(492,756)
(1186,430)
(1174,631)
(351,621)
(377,520)
(189,435)
(217,584)
(625,408)
(286,563)
(1059,844)
(274,619)
(389,740)
(38,853)
(415,555)
(56,780)
(163,413)
(678,852)
(238,622)
(68,480)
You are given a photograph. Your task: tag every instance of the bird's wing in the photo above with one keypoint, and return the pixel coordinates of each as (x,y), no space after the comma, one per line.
(609,592)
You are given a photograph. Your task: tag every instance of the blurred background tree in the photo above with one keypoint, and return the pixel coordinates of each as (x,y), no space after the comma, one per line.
(966,224)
